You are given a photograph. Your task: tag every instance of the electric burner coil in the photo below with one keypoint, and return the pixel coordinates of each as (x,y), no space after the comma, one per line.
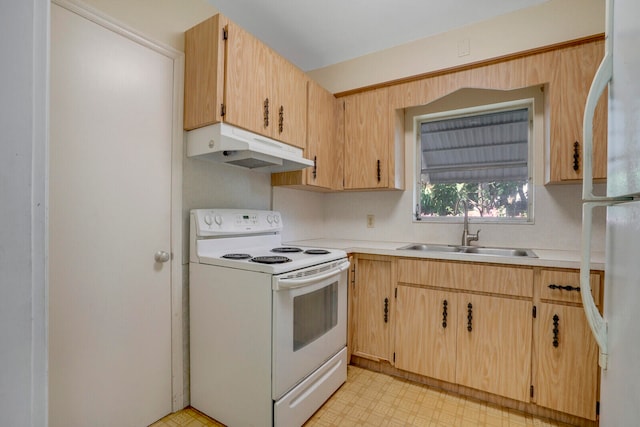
(236,256)
(316,251)
(286,249)
(271,259)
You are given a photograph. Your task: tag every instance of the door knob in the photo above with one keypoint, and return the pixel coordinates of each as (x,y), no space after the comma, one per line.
(162,256)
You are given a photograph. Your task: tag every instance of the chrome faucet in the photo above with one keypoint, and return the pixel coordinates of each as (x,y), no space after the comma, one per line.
(467,237)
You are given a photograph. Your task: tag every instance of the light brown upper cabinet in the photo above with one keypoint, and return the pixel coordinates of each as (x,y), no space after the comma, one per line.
(573,71)
(248,98)
(232,76)
(324,145)
(289,94)
(371,160)
(565,72)
(204,47)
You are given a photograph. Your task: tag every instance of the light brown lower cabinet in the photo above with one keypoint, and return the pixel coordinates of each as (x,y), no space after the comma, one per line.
(425,337)
(482,342)
(494,345)
(567,361)
(567,353)
(510,331)
(372,308)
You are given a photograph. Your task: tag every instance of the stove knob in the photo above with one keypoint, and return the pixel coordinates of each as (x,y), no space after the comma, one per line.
(276,219)
(207,219)
(218,219)
(269,219)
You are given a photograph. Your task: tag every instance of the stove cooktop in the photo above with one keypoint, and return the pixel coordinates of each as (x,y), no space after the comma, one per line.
(249,240)
(266,259)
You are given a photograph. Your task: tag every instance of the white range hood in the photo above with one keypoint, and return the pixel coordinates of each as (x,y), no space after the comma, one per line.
(225,143)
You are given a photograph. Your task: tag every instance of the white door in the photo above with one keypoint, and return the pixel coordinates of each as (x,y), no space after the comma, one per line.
(110,205)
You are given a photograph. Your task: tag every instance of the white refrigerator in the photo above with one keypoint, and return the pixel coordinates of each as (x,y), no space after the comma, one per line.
(618,330)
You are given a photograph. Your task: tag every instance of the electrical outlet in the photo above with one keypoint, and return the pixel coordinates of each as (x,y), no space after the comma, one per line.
(463,47)
(371,221)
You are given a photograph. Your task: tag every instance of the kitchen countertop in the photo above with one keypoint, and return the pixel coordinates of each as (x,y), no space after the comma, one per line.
(546,257)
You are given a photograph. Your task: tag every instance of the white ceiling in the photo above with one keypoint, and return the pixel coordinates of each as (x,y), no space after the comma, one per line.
(314,34)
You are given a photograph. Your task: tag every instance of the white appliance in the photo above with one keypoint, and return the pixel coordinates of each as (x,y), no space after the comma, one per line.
(617,331)
(268,324)
(226,143)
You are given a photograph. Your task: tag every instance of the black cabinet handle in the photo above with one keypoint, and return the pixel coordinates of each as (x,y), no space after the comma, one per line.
(469,317)
(564,287)
(576,156)
(386,310)
(266,112)
(379,172)
(281,119)
(444,313)
(315,166)
(556,321)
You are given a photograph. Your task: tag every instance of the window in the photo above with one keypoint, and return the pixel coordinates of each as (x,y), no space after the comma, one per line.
(481,155)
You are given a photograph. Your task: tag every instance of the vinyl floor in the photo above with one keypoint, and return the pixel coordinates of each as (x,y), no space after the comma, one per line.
(374,399)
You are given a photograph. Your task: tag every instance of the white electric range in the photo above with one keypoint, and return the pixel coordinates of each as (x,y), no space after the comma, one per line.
(268,322)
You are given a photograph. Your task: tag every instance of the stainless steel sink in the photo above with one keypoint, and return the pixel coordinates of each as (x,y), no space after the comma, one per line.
(506,252)
(475,250)
(431,248)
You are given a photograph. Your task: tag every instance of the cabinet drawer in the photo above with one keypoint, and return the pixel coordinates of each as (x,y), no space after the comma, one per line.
(440,274)
(514,281)
(551,279)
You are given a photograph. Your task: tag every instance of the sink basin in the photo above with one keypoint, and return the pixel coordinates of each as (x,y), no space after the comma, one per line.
(507,252)
(431,248)
(475,250)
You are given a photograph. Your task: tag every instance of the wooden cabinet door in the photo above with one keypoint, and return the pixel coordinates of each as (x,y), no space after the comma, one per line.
(372,329)
(494,345)
(204,47)
(248,82)
(571,79)
(367,140)
(289,111)
(425,332)
(322,142)
(567,374)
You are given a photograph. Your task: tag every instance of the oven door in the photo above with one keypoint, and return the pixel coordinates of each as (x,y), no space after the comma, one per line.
(309,321)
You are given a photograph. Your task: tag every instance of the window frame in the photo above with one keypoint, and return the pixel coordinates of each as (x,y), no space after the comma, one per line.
(527,103)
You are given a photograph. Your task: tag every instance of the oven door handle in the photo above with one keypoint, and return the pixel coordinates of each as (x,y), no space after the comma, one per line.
(303,281)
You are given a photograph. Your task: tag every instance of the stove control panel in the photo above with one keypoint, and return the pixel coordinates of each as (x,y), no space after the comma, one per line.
(221,222)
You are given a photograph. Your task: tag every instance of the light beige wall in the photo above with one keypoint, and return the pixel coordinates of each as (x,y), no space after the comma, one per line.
(548,23)
(164,21)
(303,213)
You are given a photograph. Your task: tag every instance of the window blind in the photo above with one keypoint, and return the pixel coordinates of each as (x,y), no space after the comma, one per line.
(480,148)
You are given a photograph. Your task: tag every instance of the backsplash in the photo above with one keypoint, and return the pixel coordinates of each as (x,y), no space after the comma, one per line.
(557,219)
(217,185)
